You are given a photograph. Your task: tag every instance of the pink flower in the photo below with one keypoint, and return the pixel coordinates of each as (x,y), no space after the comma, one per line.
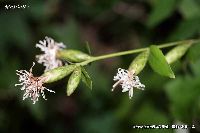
(50,48)
(31,85)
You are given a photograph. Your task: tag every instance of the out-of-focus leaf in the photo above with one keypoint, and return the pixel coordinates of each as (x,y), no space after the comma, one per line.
(195,68)
(38,9)
(185,29)
(72,34)
(194,53)
(162,9)
(124,108)
(147,114)
(84,8)
(158,62)
(182,93)
(18,32)
(37,110)
(8,77)
(86,78)
(97,75)
(101,123)
(189,8)
(68,33)
(177,52)
(139,62)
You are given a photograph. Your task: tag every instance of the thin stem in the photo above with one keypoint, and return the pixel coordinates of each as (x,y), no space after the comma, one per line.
(135,51)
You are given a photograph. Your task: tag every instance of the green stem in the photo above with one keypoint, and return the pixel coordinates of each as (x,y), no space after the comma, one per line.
(135,51)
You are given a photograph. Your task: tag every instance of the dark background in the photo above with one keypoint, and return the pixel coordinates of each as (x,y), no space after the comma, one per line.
(109,26)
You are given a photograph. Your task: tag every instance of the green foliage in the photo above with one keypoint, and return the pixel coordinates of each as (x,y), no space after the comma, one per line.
(186,29)
(184,96)
(68,32)
(148,115)
(189,8)
(158,14)
(109,26)
(102,123)
(193,53)
(158,62)
(13,31)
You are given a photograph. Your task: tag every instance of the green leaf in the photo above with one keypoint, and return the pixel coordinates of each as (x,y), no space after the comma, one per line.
(161,10)
(139,62)
(73,81)
(189,8)
(177,52)
(58,73)
(73,55)
(86,78)
(158,62)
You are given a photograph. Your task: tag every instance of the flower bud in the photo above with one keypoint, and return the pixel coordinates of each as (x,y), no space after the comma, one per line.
(177,52)
(58,73)
(139,62)
(74,81)
(72,55)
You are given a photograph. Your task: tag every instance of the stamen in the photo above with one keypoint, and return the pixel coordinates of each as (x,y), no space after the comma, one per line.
(128,80)
(50,48)
(31,85)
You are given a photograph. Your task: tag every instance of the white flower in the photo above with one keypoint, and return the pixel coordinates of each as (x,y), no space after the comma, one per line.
(128,80)
(50,48)
(31,85)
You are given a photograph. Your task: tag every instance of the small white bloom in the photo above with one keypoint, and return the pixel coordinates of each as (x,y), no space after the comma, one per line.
(50,48)
(128,80)
(31,85)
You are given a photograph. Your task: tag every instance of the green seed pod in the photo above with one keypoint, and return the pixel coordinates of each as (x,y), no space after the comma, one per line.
(58,73)
(74,81)
(177,52)
(139,62)
(72,55)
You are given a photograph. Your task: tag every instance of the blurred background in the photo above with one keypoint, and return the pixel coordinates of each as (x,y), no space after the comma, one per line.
(109,26)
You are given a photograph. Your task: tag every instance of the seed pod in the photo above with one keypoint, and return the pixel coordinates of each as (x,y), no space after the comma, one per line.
(58,73)
(74,81)
(177,52)
(72,55)
(139,62)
